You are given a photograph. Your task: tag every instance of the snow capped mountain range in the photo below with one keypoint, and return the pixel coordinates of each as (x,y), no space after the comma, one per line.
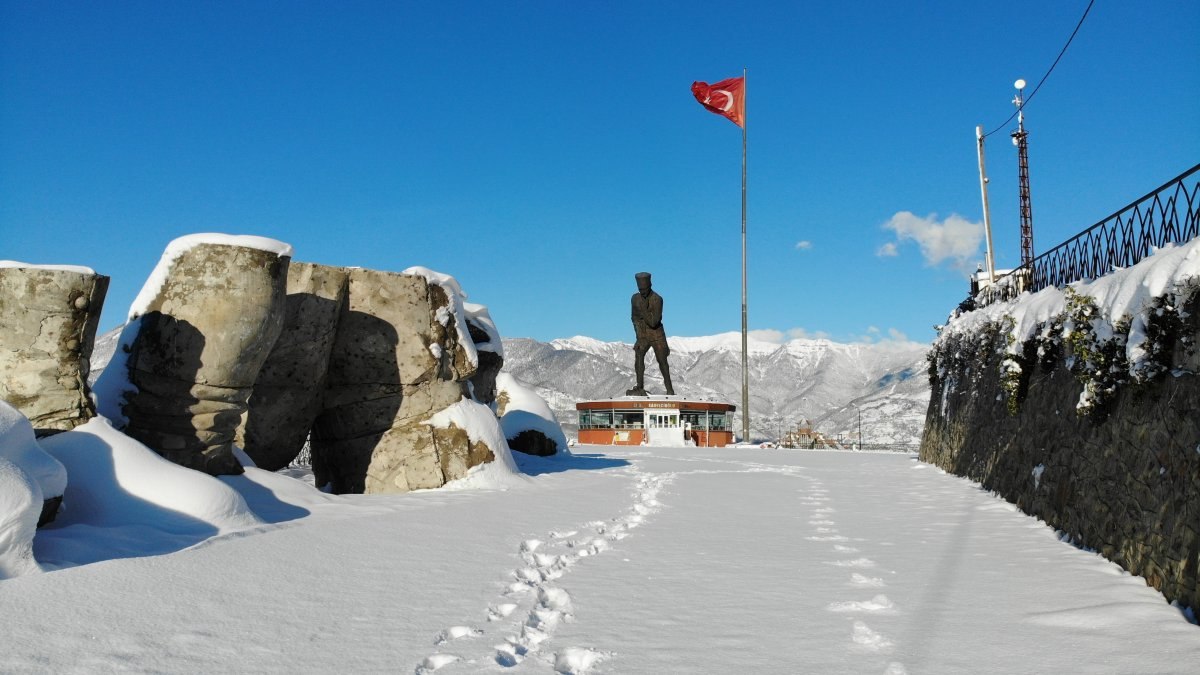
(820,380)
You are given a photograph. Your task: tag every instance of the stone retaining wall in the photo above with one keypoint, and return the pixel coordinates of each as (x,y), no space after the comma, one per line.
(1123,480)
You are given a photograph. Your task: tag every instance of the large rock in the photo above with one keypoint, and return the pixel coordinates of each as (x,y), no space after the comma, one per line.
(50,316)
(192,354)
(365,361)
(394,364)
(289,392)
(527,420)
(420,456)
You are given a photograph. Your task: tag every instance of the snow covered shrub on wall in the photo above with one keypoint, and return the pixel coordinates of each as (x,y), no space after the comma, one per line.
(1156,336)
(1013,373)
(1095,348)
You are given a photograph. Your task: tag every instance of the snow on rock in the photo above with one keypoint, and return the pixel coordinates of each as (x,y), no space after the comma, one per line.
(18,445)
(481,426)
(205,324)
(20,506)
(479,316)
(77,269)
(178,247)
(524,410)
(113,385)
(124,499)
(455,312)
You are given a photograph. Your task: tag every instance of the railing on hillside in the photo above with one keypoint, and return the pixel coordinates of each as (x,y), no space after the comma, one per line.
(1168,215)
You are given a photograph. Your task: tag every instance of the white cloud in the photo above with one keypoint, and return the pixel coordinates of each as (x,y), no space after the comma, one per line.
(766,335)
(954,240)
(873,335)
(779,337)
(803,245)
(804,334)
(888,250)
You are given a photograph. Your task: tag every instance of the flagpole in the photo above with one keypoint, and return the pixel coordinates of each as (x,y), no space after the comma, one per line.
(745,361)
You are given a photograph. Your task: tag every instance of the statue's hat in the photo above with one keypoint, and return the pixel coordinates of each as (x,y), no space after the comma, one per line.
(642,275)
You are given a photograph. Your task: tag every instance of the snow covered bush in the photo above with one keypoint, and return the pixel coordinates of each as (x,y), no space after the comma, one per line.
(1013,373)
(1154,334)
(1095,351)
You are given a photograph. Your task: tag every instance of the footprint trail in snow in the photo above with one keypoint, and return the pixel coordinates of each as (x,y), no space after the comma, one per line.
(522,622)
(824,528)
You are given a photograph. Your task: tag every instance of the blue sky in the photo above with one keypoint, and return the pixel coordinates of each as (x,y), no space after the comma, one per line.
(544,152)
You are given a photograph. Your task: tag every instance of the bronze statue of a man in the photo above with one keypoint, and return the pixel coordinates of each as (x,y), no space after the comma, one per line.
(647,307)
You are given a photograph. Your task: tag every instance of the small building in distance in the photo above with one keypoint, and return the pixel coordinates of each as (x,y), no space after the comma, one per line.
(664,421)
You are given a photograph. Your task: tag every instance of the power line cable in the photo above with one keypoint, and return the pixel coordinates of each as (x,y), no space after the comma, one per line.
(1039,84)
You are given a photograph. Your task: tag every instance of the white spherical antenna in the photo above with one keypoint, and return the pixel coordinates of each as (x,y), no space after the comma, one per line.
(1019,84)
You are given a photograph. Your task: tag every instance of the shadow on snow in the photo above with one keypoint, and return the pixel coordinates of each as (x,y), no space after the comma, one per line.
(536,466)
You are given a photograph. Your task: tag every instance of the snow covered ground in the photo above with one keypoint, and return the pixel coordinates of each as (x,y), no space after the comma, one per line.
(613,560)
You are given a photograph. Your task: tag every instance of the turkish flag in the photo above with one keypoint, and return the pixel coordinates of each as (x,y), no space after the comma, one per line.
(726,98)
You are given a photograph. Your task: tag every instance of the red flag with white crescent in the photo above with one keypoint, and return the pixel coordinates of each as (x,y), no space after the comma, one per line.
(726,98)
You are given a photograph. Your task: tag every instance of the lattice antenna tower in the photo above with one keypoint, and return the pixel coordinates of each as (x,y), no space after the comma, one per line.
(1020,140)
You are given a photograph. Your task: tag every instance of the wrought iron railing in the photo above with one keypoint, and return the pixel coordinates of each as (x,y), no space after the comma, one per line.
(1168,215)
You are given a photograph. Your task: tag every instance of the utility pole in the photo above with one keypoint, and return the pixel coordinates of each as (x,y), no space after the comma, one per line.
(987,212)
(860,438)
(1019,140)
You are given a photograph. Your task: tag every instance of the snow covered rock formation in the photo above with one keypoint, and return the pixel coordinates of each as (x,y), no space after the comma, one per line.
(366,359)
(198,335)
(391,377)
(50,317)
